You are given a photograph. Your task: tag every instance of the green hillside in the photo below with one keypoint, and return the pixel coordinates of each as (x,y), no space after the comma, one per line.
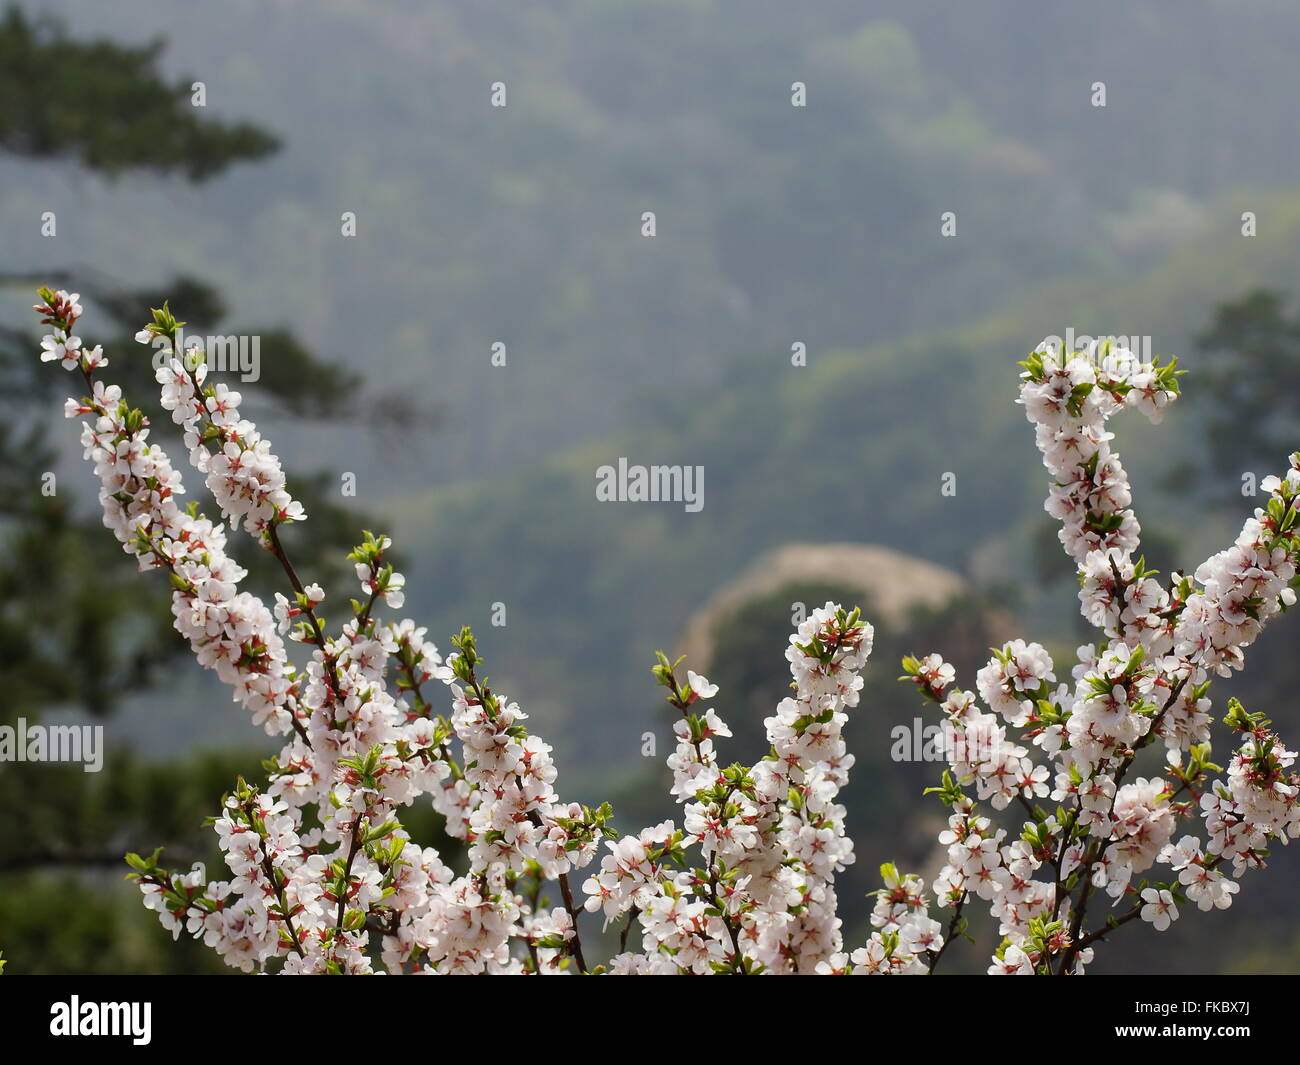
(851,447)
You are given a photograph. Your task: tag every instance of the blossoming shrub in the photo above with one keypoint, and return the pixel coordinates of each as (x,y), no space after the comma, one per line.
(324,879)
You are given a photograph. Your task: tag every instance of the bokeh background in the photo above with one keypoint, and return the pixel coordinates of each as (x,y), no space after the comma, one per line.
(521,225)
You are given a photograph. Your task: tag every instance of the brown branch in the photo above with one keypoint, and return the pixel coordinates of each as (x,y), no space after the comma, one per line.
(575,947)
(935,955)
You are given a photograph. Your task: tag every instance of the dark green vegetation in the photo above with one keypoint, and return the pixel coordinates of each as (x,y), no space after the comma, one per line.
(79,628)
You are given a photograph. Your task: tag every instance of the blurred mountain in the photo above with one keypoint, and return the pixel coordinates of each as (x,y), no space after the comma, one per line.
(855,445)
(775,224)
(895,585)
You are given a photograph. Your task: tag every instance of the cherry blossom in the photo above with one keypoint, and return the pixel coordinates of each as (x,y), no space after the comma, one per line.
(1046,820)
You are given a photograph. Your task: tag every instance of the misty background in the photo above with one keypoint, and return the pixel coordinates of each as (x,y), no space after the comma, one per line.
(775,225)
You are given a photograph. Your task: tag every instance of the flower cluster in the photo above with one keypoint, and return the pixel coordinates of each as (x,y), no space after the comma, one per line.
(1146,681)
(770,837)
(244,477)
(229,631)
(321,869)
(324,878)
